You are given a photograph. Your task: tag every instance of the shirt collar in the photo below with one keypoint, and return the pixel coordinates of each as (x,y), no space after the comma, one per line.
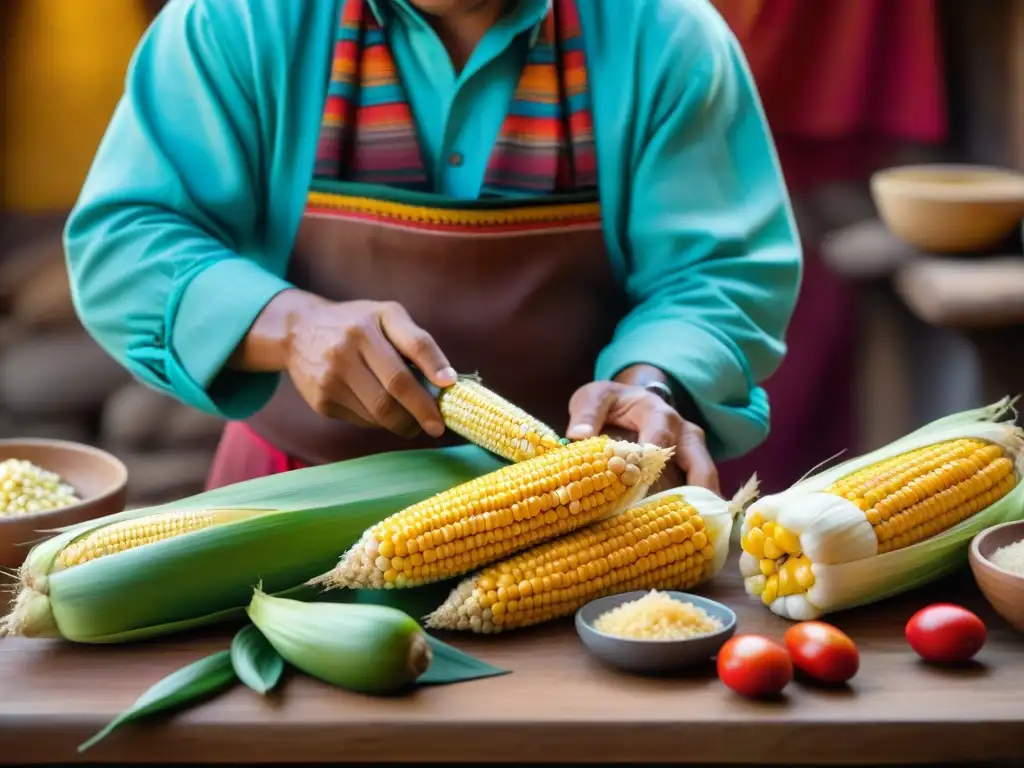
(526,14)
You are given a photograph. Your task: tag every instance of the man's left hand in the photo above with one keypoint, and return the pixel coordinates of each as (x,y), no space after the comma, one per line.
(605,407)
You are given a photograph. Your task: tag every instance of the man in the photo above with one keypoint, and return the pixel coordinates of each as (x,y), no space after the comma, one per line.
(578,199)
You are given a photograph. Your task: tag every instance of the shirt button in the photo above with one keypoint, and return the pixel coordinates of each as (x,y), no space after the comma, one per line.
(455,159)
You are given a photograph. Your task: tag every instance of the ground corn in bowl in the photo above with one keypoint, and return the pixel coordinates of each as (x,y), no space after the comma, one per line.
(656,616)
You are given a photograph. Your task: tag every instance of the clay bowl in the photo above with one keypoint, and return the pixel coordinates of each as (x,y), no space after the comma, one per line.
(949,208)
(647,657)
(100,480)
(1003,590)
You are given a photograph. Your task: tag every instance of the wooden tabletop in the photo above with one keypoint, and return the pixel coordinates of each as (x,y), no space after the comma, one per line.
(558,705)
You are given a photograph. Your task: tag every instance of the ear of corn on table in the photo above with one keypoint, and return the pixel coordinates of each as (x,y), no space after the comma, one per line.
(154,571)
(886,522)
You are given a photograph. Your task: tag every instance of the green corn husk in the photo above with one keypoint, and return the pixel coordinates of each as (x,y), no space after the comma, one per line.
(300,523)
(362,648)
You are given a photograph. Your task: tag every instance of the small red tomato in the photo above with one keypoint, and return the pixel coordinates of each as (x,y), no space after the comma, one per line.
(945,633)
(822,652)
(754,666)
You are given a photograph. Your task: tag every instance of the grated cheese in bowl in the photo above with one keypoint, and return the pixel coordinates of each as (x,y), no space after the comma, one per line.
(656,616)
(1010,558)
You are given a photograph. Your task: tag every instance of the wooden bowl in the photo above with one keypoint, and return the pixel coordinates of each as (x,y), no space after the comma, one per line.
(949,208)
(1003,590)
(99,479)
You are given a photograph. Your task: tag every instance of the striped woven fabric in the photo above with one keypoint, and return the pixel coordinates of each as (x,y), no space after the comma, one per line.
(546,144)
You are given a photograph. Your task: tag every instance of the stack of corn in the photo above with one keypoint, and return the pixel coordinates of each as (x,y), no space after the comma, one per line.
(501,513)
(556,530)
(676,539)
(886,522)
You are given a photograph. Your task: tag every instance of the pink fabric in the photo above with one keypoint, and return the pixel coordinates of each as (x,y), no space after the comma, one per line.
(244,455)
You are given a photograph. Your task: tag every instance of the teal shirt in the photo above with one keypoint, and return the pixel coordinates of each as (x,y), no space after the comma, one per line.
(184,226)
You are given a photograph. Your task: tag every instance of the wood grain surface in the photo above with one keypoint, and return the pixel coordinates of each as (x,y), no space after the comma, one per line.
(558,705)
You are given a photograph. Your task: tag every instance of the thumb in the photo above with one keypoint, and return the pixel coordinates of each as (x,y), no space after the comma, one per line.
(588,409)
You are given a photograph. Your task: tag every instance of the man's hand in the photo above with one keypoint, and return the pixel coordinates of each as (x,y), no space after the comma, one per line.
(348,360)
(608,406)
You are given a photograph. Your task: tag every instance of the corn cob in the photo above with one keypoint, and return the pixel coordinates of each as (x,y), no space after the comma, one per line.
(484,418)
(674,540)
(493,516)
(886,522)
(139,532)
(153,571)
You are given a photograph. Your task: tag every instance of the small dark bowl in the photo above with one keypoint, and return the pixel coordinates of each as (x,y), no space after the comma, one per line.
(1003,590)
(99,479)
(652,656)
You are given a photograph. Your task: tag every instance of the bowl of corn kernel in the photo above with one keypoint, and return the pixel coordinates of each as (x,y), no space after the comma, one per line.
(50,484)
(650,632)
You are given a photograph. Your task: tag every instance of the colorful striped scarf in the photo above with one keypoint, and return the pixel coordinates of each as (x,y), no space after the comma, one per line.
(546,144)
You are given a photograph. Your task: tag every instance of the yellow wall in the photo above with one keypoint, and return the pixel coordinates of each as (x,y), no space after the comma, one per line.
(63,71)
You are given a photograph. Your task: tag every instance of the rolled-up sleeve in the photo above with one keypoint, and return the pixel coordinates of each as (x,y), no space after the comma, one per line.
(163,249)
(713,257)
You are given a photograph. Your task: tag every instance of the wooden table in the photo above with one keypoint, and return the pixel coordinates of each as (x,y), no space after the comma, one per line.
(558,705)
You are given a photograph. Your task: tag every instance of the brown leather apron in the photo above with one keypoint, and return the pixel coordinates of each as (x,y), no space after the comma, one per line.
(524,296)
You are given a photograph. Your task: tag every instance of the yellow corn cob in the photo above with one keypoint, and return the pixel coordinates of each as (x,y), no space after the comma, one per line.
(660,545)
(137,532)
(488,420)
(497,514)
(922,493)
(877,525)
(906,499)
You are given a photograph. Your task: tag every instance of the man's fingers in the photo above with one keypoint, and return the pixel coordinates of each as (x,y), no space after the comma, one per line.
(398,381)
(588,409)
(661,429)
(693,456)
(382,407)
(340,403)
(417,346)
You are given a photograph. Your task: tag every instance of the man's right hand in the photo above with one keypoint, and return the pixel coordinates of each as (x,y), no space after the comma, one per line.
(349,360)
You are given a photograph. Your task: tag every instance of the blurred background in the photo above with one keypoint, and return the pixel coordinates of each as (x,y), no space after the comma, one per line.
(888,334)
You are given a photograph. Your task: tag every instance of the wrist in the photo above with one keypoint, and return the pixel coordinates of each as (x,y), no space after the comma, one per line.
(660,383)
(643,375)
(267,347)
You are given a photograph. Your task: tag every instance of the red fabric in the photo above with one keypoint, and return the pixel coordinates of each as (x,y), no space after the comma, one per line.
(244,455)
(830,70)
(844,84)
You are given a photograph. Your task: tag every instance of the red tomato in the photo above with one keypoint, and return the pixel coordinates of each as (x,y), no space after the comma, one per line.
(754,666)
(822,651)
(945,633)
